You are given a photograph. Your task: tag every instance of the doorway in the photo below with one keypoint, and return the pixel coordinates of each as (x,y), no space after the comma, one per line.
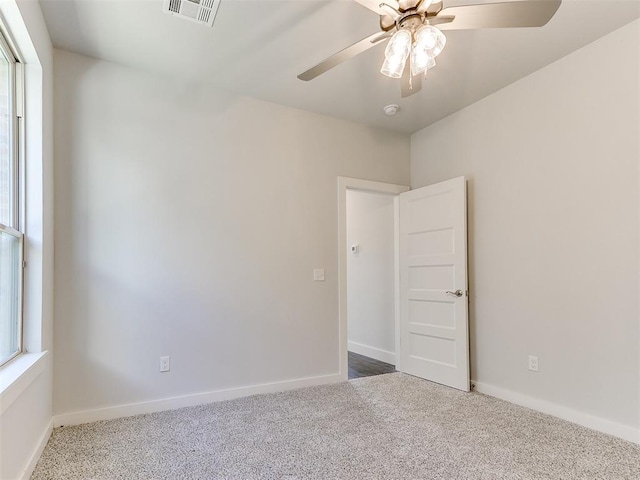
(370,283)
(369,326)
(430,299)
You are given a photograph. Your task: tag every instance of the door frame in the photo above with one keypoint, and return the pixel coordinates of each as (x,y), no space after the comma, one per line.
(344,184)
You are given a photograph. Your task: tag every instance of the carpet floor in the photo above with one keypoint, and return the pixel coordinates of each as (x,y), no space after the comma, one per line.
(390,426)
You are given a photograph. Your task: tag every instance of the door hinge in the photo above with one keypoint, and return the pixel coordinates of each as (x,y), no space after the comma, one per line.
(24,264)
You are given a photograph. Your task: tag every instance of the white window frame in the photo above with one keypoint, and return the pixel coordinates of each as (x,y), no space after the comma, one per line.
(16,229)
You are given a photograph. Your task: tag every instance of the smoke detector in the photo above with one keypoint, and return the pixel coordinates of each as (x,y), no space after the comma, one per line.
(199,11)
(391,110)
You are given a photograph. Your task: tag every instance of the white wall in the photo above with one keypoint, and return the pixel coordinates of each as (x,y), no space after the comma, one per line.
(552,164)
(188,223)
(25,427)
(26,405)
(370,275)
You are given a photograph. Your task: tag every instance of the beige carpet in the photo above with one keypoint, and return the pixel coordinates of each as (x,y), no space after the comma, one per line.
(388,427)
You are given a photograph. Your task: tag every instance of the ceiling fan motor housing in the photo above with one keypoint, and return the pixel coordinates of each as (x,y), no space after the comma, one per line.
(408,15)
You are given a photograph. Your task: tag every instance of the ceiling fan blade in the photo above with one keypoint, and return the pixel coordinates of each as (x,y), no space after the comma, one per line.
(531,13)
(344,55)
(432,7)
(440,19)
(374,5)
(410,85)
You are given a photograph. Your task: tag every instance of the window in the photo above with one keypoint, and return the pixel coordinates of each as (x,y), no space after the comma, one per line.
(11,229)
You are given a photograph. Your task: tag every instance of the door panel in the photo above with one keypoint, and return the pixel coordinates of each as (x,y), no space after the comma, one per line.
(432,313)
(434,338)
(432,242)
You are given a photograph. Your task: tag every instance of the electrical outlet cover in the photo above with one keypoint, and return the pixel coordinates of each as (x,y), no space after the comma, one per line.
(165,364)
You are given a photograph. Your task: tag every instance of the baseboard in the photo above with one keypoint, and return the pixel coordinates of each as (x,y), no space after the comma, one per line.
(586,420)
(128,410)
(372,352)
(26,474)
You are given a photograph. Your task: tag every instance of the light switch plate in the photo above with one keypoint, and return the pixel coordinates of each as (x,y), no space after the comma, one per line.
(533,363)
(318,274)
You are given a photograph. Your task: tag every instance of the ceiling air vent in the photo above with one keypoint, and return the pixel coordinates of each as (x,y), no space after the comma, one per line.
(199,11)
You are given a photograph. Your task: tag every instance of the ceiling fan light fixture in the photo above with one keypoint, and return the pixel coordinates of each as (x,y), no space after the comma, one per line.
(414,27)
(396,54)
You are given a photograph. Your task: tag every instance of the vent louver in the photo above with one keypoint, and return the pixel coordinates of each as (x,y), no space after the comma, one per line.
(199,11)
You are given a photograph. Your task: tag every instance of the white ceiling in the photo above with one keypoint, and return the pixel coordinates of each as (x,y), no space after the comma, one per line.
(257,48)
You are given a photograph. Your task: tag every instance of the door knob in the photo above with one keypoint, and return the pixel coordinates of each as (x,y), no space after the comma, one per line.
(457,293)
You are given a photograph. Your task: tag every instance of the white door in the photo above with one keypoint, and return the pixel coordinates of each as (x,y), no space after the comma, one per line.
(434,327)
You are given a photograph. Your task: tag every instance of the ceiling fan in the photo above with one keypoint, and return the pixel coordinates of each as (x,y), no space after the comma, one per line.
(415,29)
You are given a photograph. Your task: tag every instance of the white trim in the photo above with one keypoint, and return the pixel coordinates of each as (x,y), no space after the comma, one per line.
(344,184)
(31,466)
(396,275)
(128,410)
(586,420)
(372,352)
(17,375)
(638,298)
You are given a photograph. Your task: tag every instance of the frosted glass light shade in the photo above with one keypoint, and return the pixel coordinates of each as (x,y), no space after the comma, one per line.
(421,62)
(431,40)
(399,45)
(396,54)
(393,69)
